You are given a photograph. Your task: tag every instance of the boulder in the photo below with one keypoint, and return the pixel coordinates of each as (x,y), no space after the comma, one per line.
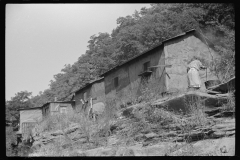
(57,133)
(218,134)
(129,111)
(224,87)
(151,135)
(180,103)
(71,129)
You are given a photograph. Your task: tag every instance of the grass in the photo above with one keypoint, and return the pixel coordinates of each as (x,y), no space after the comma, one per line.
(150,90)
(230,105)
(142,119)
(96,133)
(147,118)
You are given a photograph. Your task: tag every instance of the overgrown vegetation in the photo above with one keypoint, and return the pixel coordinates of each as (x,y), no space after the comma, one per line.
(151,89)
(96,133)
(147,118)
(11,139)
(142,119)
(12,148)
(229,107)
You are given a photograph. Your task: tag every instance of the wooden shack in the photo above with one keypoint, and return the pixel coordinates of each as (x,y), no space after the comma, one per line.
(94,89)
(55,107)
(165,62)
(29,117)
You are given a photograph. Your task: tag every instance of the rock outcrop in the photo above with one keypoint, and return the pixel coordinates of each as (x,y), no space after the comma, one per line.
(217,137)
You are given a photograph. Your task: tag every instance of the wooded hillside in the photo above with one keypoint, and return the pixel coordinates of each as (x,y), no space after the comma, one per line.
(134,34)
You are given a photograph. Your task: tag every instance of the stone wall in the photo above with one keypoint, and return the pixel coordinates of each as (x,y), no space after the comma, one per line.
(178,53)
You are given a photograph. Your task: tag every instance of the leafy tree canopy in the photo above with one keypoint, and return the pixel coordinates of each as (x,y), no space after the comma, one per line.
(140,31)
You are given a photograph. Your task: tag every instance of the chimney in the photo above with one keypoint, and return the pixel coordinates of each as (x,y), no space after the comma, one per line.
(55,99)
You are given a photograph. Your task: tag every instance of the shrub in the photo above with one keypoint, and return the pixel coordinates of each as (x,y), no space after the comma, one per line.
(196,110)
(230,105)
(11,139)
(150,89)
(52,149)
(224,66)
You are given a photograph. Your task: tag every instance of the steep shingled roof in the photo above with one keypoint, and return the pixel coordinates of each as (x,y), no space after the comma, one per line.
(32,108)
(88,84)
(145,52)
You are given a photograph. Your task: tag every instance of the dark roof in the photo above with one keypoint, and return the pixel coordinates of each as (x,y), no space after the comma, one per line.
(145,52)
(200,35)
(57,102)
(32,108)
(89,84)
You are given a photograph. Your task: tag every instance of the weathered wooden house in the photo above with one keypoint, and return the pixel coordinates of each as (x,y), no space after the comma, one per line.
(94,89)
(29,117)
(165,62)
(52,108)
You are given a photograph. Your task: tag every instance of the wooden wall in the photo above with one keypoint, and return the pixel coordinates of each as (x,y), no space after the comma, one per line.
(79,95)
(32,115)
(129,79)
(95,91)
(55,107)
(46,110)
(156,57)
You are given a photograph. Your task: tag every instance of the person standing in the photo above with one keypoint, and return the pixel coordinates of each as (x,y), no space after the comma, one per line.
(194,80)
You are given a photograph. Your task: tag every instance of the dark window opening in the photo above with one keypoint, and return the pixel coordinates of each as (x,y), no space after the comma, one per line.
(145,66)
(116,82)
(146,71)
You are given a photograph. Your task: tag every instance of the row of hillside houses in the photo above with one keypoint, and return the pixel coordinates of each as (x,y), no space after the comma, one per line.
(165,62)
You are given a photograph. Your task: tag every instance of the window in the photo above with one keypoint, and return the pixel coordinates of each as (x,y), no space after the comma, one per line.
(146,71)
(85,96)
(145,66)
(116,82)
(63,109)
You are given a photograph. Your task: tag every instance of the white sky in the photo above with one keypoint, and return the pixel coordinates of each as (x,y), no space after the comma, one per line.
(42,38)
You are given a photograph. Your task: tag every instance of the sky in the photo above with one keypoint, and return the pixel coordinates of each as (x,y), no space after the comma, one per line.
(41,38)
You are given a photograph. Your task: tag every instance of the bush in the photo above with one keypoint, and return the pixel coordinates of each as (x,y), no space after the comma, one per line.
(150,89)
(230,105)
(52,149)
(224,67)
(11,139)
(55,122)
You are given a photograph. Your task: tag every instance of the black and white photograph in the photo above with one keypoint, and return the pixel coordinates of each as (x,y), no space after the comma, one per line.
(119,79)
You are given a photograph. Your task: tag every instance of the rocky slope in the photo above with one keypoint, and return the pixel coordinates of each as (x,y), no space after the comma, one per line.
(217,137)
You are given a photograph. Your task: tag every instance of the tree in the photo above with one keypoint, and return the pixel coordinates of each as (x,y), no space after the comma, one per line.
(11,139)
(142,30)
(20,100)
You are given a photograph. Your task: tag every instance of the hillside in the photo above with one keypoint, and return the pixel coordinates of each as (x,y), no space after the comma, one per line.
(151,126)
(144,129)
